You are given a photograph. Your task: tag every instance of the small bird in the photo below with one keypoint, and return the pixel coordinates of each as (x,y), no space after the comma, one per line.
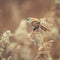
(38,23)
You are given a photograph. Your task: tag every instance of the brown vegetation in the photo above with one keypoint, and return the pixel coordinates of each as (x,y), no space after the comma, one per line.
(11,14)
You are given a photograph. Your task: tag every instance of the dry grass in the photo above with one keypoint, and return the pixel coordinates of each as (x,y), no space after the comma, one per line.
(25,47)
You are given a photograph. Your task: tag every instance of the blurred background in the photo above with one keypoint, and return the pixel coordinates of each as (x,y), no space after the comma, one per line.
(12,11)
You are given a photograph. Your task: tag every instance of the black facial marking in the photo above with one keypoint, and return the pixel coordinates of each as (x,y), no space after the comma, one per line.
(36,28)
